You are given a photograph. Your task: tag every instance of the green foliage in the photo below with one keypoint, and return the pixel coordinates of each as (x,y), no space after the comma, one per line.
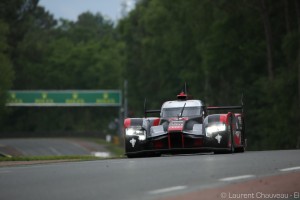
(85,54)
(6,75)
(219,49)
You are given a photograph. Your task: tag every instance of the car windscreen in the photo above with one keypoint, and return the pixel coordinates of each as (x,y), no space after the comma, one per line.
(187,112)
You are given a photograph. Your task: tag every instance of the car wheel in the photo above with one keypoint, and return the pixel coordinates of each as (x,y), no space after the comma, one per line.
(231,150)
(133,155)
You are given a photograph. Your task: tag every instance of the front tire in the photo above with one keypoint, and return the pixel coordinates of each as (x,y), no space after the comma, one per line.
(133,155)
(240,150)
(232,149)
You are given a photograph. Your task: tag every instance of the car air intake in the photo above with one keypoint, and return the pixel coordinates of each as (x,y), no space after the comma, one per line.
(175,140)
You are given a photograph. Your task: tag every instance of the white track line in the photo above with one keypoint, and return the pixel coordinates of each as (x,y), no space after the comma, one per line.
(234,178)
(290,169)
(170,189)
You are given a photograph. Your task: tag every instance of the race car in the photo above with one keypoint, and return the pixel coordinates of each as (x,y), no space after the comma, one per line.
(184,126)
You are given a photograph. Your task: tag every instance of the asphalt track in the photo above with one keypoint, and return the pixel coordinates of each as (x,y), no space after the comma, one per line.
(144,178)
(49,147)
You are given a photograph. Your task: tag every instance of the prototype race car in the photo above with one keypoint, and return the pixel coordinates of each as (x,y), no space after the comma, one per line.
(184,126)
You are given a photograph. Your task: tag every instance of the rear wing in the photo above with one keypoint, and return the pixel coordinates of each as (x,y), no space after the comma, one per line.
(241,107)
(148,111)
(225,107)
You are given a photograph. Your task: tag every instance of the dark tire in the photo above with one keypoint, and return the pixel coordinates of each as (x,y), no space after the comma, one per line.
(239,150)
(221,152)
(243,148)
(154,155)
(130,156)
(133,155)
(232,149)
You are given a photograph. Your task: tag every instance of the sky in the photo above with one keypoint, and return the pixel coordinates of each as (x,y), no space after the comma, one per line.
(70,9)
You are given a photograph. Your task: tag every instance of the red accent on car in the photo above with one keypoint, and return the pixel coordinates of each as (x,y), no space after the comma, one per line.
(127,122)
(237,139)
(198,142)
(229,143)
(223,118)
(176,124)
(175,128)
(157,144)
(156,122)
(169,140)
(182,96)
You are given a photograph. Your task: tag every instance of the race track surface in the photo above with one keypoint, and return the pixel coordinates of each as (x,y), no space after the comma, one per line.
(144,178)
(48,147)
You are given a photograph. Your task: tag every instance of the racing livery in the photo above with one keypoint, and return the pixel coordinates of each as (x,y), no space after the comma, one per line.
(184,126)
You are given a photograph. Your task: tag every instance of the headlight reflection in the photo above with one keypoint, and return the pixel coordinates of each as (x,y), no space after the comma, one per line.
(138,131)
(215,128)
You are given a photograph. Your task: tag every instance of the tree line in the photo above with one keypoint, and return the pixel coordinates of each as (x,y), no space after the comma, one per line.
(222,49)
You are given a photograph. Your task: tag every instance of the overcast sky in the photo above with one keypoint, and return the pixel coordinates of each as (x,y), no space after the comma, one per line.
(70,9)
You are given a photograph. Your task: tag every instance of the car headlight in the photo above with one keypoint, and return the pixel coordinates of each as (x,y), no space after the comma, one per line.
(137,130)
(215,128)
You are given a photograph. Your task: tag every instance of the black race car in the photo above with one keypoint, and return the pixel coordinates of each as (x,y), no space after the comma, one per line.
(184,126)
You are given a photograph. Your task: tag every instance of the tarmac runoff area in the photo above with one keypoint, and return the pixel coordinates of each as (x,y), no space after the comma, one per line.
(35,162)
(51,147)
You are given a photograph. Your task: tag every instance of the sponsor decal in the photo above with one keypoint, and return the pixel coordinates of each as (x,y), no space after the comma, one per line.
(238,133)
(133,141)
(238,138)
(218,138)
(240,120)
(176,126)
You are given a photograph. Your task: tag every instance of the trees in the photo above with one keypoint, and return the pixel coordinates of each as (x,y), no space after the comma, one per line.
(51,54)
(6,75)
(222,49)
(13,15)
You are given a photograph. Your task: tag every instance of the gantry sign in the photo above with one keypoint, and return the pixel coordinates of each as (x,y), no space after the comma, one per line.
(64,98)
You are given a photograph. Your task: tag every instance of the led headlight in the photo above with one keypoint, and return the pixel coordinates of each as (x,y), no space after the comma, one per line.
(215,128)
(136,130)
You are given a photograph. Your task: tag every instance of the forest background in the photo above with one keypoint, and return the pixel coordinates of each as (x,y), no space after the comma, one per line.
(221,48)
